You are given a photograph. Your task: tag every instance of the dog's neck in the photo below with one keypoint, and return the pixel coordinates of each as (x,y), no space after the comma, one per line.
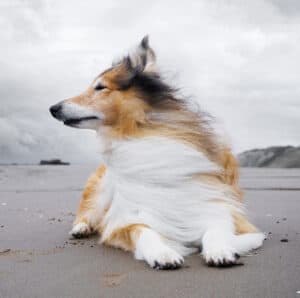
(153,159)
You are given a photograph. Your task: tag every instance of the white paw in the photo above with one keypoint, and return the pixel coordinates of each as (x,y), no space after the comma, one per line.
(222,257)
(164,259)
(156,253)
(80,230)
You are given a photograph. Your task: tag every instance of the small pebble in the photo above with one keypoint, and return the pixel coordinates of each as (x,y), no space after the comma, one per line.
(284,240)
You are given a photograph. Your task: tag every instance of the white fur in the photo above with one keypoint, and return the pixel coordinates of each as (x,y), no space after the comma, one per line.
(151,181)
(217,246)
(138,54)
(246,242)
(75,111)
(221,245)
(80,229)
(151,248)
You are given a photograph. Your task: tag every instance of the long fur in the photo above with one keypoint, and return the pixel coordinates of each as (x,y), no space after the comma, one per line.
(151,181)
(169,183)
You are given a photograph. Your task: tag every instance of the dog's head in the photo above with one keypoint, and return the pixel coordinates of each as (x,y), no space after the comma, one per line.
(119,96)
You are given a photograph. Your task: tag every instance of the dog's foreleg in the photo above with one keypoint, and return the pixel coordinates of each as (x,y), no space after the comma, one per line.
(147,245)
(218,247)
(151,248)
(85,223)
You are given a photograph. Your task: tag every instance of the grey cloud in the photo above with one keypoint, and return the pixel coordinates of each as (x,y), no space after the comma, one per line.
(287,7)
(239,60)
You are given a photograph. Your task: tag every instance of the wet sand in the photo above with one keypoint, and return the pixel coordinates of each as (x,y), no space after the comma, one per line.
(37,258)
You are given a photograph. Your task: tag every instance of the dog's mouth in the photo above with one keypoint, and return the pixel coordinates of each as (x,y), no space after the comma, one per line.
(76,121)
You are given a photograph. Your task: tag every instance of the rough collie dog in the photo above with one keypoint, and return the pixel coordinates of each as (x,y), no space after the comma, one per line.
(168,186)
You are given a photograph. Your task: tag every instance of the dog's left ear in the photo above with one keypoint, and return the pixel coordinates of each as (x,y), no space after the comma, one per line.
(143,57)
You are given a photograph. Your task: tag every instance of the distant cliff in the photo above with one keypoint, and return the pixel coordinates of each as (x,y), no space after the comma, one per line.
(271,157)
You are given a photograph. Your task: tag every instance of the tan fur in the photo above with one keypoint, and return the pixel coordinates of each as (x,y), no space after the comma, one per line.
(125,237)
(126,115)
(231,172)
(88,198)
(124,112)
(242,225)
(111,76)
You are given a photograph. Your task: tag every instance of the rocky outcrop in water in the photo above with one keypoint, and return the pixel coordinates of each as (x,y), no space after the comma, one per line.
(55,161)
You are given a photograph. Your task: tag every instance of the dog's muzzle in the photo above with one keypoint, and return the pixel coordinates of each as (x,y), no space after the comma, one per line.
(76,116)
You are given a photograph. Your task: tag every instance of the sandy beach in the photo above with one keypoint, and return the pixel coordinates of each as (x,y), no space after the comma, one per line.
(38,259)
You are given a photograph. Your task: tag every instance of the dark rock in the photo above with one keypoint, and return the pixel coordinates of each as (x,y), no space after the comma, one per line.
(53,162)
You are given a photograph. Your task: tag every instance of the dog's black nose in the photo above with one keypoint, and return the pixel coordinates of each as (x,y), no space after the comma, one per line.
(54,110)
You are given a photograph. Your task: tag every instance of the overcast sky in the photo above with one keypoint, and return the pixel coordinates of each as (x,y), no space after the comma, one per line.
(239,59)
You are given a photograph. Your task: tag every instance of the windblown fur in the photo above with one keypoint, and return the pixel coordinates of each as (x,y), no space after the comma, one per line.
(169,183)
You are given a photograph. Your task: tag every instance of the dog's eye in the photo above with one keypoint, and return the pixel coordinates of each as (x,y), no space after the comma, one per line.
(99,87)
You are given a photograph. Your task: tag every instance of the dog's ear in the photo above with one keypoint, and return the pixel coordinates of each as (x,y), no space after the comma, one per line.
(143,58)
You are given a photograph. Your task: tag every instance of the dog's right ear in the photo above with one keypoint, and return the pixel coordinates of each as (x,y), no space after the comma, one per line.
(143,58)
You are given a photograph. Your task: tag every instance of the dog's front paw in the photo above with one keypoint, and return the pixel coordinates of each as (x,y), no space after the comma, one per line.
(151,248)
(164,259)
(80,230)
(221,258)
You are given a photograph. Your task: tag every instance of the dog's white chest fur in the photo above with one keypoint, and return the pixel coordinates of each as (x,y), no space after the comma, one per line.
(152,181)
(156,161)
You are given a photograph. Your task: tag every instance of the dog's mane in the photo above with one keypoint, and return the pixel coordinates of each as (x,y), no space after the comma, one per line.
(154,90)
(172,115)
